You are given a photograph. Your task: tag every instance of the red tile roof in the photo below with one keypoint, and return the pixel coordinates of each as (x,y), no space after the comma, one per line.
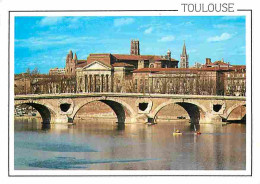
(81,61)
(239,66)
(121,65)
(105,57)
(80,65)
(174,59)
(220,63)
(140,57)
(147,70)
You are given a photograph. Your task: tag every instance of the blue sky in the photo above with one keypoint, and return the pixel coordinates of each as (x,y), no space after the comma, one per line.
(43,42)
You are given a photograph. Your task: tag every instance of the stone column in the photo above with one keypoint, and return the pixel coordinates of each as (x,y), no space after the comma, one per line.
(90,83)
(83,84)
(110,88)
(106,83)
(94,83)
(86,83)
(102,81)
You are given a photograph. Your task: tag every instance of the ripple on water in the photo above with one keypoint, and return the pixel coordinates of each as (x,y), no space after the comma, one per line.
(73,163)
(54,147)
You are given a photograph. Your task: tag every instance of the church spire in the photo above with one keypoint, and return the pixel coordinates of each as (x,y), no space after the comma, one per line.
(184,58)
(75,57)
(184,52)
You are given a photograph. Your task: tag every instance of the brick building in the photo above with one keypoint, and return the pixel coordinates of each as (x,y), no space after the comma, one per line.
(57,71)
(110,72)
(235,81)
(229,81)
(22,83)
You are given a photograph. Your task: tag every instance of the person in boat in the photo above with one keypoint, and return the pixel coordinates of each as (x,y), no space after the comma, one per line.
(177,131)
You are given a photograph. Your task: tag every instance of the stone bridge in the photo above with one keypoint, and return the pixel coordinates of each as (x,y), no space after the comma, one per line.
(131,107)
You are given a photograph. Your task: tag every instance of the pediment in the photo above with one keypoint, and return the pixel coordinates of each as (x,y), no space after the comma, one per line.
(97,65)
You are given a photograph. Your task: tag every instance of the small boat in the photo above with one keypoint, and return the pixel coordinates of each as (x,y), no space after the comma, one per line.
(176,133)
(197,133)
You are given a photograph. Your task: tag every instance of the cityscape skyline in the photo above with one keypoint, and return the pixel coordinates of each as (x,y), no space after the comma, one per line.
(43,42)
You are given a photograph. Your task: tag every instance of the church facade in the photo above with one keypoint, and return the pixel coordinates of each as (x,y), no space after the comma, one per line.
(108,72)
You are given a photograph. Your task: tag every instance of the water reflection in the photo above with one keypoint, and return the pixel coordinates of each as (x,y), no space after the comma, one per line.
(120,126)
(105,146)
(46,127)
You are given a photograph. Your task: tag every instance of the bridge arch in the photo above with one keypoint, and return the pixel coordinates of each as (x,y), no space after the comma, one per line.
(118,106)
(232,108)
(194,109)
(46,111)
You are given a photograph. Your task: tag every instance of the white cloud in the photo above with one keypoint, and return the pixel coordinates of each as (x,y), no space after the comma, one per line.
(148,31)
(123,21)
(48,21)
(168,38)
(222,37)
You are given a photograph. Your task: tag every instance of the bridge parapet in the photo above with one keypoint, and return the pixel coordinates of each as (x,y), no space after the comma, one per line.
(135,95)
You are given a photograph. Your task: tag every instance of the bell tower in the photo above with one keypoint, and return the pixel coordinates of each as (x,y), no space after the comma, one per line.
(135,49)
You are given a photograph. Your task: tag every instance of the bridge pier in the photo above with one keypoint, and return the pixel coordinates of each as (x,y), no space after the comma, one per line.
(60,119)
(211,119)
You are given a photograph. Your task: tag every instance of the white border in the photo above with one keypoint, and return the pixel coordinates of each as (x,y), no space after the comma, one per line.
(129,172)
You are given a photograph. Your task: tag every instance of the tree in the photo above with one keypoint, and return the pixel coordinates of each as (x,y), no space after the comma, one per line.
(28,71)
(35,71)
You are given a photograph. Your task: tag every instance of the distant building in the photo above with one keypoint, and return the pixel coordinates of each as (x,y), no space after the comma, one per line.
(22,83)
(197,65)
(57,71)
(215,64)
(53,84)
(235,81)
(193,81)
(71,63)
(108,72)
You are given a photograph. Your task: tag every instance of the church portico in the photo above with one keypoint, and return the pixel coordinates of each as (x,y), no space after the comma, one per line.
(95,77)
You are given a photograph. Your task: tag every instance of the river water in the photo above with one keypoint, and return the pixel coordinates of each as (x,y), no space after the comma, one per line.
(105,146)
